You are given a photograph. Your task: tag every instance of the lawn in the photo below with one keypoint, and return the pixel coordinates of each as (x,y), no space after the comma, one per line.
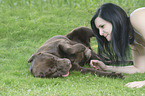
(26,24)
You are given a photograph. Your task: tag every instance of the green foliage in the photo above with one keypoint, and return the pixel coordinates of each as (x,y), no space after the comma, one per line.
(26,24)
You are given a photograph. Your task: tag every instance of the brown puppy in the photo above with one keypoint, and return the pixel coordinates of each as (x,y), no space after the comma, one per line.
(60,54)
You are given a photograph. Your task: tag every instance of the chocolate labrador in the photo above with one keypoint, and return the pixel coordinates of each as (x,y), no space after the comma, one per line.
(61,54)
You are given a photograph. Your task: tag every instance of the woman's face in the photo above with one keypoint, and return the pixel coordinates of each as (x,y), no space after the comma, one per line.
(105,27)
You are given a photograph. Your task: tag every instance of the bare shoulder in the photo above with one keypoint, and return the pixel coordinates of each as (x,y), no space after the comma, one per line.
(137,19)
(138,12)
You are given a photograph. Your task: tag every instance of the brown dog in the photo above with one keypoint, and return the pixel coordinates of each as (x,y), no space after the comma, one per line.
(60,54)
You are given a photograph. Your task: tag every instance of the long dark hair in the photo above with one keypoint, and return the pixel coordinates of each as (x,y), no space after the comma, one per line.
(118,47)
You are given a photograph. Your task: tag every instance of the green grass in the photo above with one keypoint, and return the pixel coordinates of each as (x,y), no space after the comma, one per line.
(26,24)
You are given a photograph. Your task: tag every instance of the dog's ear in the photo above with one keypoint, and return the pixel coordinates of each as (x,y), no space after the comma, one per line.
(31,58)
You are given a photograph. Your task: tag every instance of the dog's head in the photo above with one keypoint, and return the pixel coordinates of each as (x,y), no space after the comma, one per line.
(48,65)
(81,35)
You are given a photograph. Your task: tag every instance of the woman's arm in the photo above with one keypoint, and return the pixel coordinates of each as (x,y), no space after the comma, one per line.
(125,69)
(101,66)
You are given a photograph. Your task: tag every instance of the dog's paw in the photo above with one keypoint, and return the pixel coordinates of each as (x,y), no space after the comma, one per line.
(116,75)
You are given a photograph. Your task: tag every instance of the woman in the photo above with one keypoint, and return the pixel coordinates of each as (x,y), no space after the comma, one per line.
(115,31)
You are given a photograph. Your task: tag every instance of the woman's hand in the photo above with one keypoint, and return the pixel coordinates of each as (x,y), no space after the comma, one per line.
(137,84)
(98,64)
